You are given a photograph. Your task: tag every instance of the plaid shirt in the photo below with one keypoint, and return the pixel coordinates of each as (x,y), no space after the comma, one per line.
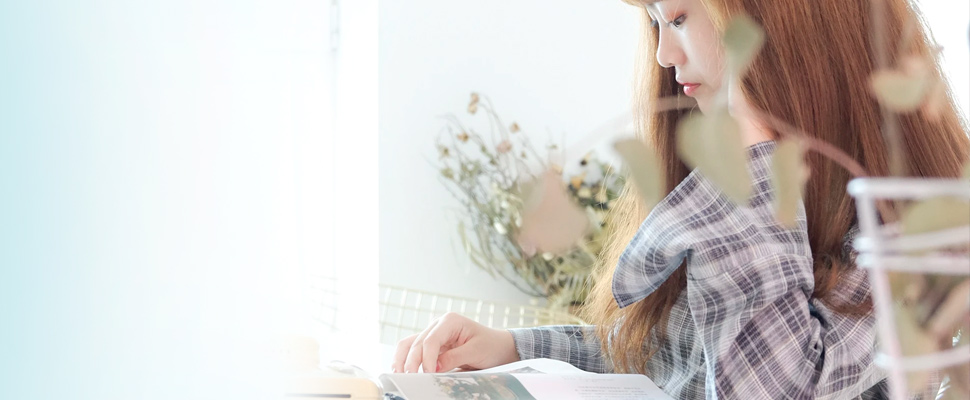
(746,325)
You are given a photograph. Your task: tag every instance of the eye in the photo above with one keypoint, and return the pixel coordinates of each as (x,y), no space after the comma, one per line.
(679,21)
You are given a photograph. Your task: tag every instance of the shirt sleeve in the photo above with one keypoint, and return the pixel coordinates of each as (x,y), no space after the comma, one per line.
(575,344)
(762,335)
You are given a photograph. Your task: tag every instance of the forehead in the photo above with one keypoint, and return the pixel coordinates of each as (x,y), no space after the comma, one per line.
(642,2)
(654,4)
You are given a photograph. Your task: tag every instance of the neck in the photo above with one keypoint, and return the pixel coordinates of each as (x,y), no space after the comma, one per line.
(753,130)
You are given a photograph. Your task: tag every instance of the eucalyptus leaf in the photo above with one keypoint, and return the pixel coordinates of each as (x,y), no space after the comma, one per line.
(954,310)
(712,144)
(935,99)
(913,341)
(899,91)
(788,178)
(743,39)
(644,167)
(935,214)
(907,287)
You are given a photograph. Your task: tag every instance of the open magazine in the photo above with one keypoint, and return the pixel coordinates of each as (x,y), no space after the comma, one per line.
(537,379)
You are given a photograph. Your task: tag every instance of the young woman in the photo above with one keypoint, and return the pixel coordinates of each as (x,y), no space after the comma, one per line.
(712,298)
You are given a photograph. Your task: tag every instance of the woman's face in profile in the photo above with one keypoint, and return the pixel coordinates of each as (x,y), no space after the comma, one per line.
(690,44)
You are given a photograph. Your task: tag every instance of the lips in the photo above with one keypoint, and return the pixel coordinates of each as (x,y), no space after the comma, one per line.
(689,87)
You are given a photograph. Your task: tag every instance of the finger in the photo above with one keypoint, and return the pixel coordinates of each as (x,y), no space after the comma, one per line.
(461,356)
(401,353)
(413,360)
(414,357)
(439,336)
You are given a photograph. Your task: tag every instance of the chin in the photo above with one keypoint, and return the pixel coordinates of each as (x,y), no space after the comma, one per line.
(703,105)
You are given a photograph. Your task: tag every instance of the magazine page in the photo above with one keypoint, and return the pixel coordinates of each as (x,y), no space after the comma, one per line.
(591,387)
(543,365)
(538,379)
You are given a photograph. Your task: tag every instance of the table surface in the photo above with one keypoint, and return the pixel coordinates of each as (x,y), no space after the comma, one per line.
(375,359)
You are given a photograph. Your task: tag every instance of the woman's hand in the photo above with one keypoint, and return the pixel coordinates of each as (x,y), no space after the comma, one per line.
(454,341)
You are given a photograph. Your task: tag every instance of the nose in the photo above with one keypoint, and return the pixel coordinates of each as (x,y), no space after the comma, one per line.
(669,52)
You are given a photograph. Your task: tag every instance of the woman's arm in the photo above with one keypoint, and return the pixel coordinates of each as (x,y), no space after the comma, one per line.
(574,344)
(763,337)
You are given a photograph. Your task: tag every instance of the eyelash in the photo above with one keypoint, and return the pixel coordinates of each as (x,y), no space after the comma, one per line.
(674,23)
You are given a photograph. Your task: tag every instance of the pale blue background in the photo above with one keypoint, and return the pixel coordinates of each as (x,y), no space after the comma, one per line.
(163,189)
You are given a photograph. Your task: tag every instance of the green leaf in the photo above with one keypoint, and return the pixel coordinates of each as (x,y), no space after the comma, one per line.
(913,341)
(712,143)
(789,173)
(644,168)
(899,91)
(935,214)
(954,309)
(743,39)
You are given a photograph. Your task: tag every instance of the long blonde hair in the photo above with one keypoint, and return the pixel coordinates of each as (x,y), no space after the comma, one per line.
(812,73)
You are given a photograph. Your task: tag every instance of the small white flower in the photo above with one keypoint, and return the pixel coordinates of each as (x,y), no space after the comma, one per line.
(500,228)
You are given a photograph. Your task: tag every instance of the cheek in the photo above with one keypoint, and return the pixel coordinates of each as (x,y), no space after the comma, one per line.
(715,69)
(709,56)
(714,78)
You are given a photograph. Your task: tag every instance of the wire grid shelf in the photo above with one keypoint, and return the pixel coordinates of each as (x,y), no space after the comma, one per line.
(404,312)
(881,249)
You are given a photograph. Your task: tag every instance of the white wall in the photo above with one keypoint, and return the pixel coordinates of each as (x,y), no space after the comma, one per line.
(949,22)
(563,67)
